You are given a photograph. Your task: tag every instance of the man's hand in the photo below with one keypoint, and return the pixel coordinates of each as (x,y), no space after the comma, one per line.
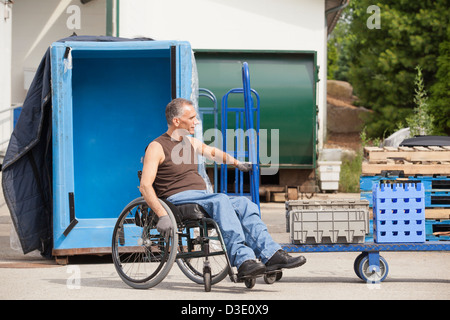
(244,166)
(164,226)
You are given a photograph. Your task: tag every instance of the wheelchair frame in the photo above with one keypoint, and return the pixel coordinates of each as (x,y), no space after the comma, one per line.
(137,245)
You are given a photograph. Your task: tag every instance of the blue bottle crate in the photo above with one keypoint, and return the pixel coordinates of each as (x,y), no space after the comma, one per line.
(399,212)
(429,229)
(435,187)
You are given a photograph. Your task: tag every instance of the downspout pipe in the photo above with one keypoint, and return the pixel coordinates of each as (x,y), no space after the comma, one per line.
(340,7)
(334,9)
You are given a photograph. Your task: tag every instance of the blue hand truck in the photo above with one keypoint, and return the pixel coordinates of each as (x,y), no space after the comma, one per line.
(244,118)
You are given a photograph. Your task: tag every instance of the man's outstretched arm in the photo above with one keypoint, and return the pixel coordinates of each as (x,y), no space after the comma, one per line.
(218,155)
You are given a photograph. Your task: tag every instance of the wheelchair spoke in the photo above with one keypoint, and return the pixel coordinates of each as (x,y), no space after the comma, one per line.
(140,253)
(143,258)
(191,258)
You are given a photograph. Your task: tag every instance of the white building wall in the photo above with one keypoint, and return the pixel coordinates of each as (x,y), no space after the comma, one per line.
(5,76)
(25,38)
(234,24)
(37,24)
(206,24)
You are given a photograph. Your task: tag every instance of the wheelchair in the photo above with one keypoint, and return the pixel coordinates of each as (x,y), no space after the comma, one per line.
(143,257)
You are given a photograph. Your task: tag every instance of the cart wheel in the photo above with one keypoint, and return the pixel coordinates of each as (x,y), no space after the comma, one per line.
(250,283)
(357,262)
(270,278)
(369,275)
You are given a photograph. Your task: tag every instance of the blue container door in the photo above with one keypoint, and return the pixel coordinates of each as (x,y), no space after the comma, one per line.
(109,101)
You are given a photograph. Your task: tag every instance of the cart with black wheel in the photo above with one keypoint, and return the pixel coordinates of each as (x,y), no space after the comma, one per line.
(342,226)
(369,265)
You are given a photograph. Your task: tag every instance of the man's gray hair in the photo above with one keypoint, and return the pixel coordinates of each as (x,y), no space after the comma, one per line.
(175,109)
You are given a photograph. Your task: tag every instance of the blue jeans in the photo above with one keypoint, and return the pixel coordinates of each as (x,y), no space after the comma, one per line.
(244,233)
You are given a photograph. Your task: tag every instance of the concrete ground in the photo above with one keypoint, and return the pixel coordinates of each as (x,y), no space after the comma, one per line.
(412,275)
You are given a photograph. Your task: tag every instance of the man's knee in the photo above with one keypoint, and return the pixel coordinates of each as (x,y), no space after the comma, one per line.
(221,197)
(246,201)
(244,204)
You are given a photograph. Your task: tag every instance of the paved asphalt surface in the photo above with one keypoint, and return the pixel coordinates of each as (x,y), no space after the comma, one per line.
(412,275)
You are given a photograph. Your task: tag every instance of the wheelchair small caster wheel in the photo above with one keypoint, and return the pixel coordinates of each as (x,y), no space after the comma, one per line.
(207,279)
(270,277)
(250,282)
(279,276)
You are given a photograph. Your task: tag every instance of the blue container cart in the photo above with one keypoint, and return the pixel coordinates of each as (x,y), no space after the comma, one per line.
(369,265)
(108,104)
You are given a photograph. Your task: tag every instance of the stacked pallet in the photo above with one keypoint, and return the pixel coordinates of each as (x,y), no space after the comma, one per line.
(411,160)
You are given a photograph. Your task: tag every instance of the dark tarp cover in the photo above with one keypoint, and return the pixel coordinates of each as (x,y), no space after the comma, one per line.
(27,166)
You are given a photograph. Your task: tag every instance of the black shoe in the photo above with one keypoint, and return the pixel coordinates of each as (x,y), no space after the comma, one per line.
(281,259)
(251,268)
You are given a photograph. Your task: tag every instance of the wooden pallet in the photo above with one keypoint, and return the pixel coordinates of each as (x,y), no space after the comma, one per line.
(412,160)
(412,154)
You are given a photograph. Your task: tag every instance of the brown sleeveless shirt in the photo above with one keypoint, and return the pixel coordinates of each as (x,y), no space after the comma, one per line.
(178,172)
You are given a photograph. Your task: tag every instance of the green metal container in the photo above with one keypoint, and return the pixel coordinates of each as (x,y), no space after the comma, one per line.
(286,83)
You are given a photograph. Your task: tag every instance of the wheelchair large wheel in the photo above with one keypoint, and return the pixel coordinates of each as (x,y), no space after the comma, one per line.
(193,267)
(141,255)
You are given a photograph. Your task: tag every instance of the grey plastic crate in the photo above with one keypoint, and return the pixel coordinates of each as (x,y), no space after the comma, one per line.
(313,222)
(345,226)
(321,205)
(337,204)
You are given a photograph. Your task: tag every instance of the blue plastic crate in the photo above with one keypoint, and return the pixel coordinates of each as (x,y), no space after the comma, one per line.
(436,195)
(399,212)
(435,225)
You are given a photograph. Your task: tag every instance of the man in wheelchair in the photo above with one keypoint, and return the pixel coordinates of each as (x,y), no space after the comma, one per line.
(170,172)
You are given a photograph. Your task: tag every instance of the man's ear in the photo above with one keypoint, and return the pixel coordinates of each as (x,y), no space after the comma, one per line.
(176,122)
